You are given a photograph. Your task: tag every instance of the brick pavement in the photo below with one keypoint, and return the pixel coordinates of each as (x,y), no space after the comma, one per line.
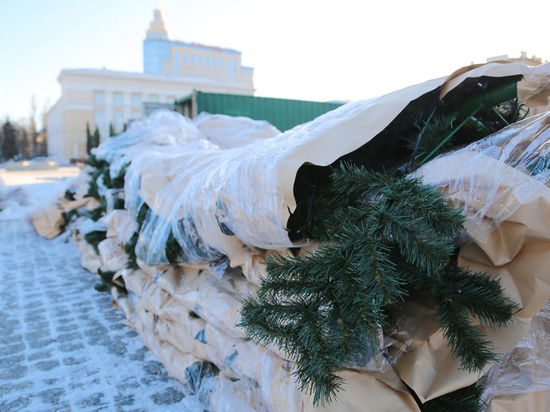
(63,346)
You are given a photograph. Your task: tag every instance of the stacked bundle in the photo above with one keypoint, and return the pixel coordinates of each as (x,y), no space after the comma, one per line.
(326,267)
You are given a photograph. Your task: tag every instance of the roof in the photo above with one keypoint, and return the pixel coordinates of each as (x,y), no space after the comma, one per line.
(192,81)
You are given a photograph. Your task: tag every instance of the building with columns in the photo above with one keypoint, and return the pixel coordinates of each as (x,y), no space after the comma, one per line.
(172,69)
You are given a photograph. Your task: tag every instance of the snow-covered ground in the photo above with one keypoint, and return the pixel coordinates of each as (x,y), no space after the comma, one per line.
(63,346)
(33,186)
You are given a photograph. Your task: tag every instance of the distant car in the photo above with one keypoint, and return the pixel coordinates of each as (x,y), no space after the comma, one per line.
(18,165)
(43,163)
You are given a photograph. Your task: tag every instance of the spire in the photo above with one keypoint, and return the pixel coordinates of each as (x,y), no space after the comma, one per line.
(157,30)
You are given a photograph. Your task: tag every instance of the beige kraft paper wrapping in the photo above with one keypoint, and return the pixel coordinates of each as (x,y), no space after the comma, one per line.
(430,369)
(251,189)
(522,380)
(362,121)
(46,221)
(518,252)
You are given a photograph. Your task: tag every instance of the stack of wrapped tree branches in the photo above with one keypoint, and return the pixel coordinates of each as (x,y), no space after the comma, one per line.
(388,253)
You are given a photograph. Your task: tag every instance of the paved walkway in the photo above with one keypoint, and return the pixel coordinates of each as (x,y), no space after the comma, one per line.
(62,344)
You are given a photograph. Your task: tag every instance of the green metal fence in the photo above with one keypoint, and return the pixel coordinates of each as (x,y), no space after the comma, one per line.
(284,114)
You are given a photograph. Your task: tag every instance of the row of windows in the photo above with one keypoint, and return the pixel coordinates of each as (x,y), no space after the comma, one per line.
(214,74)
(204,60)
(117,121)
(99,99)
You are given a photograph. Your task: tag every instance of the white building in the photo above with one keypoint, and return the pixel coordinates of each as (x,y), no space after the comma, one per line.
(101,98)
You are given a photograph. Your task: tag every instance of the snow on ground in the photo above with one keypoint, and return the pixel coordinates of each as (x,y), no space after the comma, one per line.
(62,344)
(37,186)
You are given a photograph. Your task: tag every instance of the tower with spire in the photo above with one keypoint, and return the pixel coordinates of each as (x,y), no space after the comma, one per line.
(192,60)
(157,29)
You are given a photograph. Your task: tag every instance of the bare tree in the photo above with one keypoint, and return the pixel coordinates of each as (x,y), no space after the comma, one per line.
(23,142)
(33,127)
(43,149)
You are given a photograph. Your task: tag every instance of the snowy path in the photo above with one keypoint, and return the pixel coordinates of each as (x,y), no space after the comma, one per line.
(63,346)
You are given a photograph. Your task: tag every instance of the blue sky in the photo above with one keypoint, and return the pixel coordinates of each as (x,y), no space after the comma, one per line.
(314,50)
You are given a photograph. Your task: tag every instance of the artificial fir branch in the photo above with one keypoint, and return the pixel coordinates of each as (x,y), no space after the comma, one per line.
(95,238)
(384,238)
(107,282)
(130,246)
(466,399)
(69,195)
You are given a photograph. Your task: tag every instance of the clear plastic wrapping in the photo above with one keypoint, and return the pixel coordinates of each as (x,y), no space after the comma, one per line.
(113,257)
(120,224)
(215,300)
(212,201)
(526,368)
(89,260)
(113,198)
(262,380)
(161,128)
(491,178)
(221,188)
(189,370)
(236,357)
(228,132)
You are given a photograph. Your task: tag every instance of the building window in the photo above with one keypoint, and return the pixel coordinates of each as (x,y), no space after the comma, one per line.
(119,122)
(221,62)
(184,56)
(235,65)
(153,99)
(136,115)
(177,63)
(136,100)
(117,99)
(207,61)
(171,99)
(214,62)
(199,60)
(99,118)
(192,56)
(99,98)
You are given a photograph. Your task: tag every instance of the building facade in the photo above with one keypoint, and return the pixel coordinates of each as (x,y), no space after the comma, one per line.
(106,98)
(191,60)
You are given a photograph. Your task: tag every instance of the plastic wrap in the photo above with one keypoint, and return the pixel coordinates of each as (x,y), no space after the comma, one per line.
(500,183)
(86,225)
(491,178)
(114,197)
(527,367)
(214,389)
(236,357)
(181,185)
(214,201)
(161,128)
(248,191)
(120,224)
(89,259)
(46,220)
(79,185)
(112,254)
(235,202)
(229,132)
(215,300)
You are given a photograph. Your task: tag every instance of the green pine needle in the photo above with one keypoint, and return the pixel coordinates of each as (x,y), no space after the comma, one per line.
(383,238)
